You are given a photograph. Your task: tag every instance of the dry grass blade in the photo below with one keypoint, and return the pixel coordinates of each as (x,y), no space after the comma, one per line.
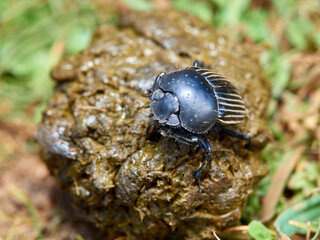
(282,236)
(13,229)
(215,235)
(307,226)
(91,108)
(18,193)
(278,183)
(237,232)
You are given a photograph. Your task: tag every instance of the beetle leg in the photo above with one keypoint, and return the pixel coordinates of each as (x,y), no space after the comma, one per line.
(197,63)
(235,134)
(180,137)
(192,139)
(206,146)
(197,173)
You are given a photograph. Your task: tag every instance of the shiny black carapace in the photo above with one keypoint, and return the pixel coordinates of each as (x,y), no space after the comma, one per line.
(190,103)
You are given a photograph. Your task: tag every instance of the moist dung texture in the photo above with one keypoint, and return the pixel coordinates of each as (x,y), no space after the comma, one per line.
(102,147)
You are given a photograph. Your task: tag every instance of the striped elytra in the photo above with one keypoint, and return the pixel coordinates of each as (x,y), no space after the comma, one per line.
(230,105)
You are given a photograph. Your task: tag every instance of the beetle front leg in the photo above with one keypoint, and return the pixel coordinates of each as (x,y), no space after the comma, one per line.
(177,135)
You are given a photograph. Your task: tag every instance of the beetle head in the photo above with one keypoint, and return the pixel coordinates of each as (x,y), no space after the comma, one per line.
(165,107)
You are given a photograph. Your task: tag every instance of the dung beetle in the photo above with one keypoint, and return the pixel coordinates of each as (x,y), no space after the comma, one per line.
(192,102)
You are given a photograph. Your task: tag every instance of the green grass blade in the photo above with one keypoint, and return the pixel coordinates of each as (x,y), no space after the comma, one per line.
(305,211)
(19,194)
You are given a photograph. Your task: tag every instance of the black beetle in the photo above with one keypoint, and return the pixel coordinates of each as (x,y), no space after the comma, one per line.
(191,102)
